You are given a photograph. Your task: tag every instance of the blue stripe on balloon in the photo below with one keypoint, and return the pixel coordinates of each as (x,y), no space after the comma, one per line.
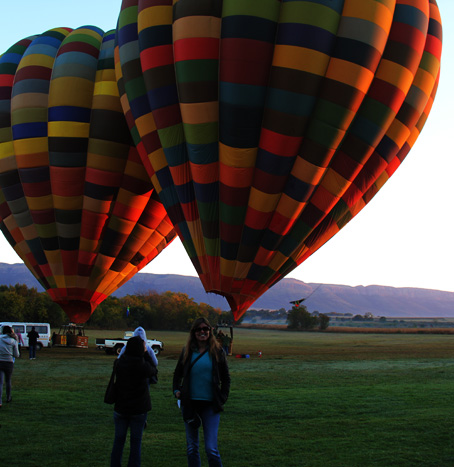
(291,102)
(412,16)
(203,153)
(185,192)
(126,34)
(34,174)
(163,97)
(37,86)
(310,37)
(67,113)
(206,192)
(273,164)
(10,58)
(245,95)
(29,130)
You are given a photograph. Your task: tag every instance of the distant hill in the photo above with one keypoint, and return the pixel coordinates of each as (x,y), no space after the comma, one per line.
(325,298)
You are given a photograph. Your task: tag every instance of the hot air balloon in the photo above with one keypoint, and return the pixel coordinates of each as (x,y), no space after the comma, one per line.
(267,125)
(76,203)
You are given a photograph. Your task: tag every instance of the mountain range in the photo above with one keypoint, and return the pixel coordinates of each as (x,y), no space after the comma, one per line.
(385,301)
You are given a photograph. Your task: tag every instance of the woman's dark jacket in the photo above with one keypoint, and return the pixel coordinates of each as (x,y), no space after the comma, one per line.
(221,379)
(132,395)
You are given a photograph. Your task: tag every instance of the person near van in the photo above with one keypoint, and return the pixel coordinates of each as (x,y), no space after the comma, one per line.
(20,340)
(32,343)
(201,382)
(8,352)
(133,370)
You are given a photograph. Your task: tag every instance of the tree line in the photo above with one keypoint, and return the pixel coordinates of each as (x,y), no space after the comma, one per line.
(169,310)
(152,310)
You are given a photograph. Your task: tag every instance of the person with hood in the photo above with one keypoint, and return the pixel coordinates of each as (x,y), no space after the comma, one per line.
(201,382)
(133,370)
(8,352)
(140,332)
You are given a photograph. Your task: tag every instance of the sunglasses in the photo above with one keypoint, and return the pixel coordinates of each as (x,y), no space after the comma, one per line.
(203,329)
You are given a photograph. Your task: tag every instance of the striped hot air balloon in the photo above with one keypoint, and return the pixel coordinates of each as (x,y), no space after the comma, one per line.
(76,203)
(267,125)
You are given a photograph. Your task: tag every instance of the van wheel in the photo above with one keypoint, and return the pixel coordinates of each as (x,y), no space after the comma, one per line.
(39,346)
(156,350)
(117,349)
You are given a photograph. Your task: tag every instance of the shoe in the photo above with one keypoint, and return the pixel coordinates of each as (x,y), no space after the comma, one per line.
(9,400)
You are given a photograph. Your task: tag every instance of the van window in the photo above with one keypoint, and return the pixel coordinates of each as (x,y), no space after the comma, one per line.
(18,328)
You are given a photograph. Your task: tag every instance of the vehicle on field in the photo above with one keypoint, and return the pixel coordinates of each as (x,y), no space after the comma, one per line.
(43,329)
(115,345)
(70,335)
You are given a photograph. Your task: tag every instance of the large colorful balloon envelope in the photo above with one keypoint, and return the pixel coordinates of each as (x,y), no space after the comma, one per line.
(267,125)
(76,203)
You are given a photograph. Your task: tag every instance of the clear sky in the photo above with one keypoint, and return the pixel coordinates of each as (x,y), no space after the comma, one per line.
(402,238)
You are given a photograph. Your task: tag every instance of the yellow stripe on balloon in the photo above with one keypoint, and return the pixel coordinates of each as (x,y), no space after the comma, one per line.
(69,129)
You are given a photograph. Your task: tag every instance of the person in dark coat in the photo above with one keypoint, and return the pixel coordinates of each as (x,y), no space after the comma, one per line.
(132,400)
(32,343)
(202,383)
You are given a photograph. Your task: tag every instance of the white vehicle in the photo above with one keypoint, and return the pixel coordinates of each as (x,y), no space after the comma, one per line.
(115,345)
(43,329)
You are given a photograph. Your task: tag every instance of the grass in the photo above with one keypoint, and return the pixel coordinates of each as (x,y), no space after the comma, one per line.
(312,400)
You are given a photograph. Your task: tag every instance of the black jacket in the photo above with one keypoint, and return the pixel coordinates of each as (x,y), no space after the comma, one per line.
(132,384)
(32,337)
(221,379)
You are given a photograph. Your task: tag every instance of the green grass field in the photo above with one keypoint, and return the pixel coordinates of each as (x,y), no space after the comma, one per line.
(312,400)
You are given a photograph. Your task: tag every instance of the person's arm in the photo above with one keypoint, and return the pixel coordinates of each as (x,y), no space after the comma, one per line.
(152,355)
(224,375)
(16,353)
(178,376)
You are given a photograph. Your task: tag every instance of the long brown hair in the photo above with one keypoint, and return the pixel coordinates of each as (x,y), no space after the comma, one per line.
(191,343)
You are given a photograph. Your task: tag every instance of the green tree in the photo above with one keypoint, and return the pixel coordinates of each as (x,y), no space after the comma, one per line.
(300,318)
(323,321)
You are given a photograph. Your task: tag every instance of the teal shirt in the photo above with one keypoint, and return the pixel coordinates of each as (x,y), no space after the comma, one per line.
(201,381)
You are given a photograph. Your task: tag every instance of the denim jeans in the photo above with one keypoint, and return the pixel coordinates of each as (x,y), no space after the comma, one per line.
(136,424)
(6,370)
(210,424)
(32,351)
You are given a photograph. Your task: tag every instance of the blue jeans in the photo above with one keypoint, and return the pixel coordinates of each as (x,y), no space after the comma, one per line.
(32,351)
(210,424)
(6,370)
(136,423)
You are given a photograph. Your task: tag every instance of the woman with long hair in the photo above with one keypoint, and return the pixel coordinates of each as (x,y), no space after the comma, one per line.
(132,400)
(201,382)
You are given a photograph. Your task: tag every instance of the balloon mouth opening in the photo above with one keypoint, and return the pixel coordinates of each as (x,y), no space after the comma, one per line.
(237,309)
(78,311)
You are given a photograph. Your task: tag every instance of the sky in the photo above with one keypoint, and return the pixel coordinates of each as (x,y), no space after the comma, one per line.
(402,238)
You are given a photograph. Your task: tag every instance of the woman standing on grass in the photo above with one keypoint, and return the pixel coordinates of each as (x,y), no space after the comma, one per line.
(202,382)
(8,352)
(132,400)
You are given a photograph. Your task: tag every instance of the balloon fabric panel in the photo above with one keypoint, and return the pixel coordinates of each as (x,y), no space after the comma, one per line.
(76,203)
(266,126)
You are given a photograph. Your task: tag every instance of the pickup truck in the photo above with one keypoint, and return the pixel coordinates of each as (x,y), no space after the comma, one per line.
(115,345)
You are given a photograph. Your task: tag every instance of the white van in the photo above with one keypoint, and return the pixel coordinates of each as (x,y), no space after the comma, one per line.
(43,329)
